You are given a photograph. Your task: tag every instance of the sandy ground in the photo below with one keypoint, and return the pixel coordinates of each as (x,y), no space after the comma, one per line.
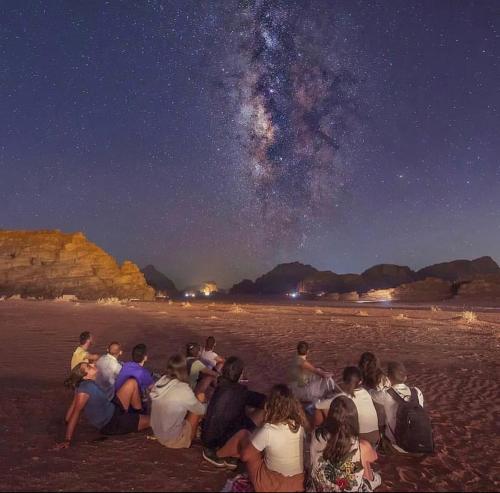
(456,365)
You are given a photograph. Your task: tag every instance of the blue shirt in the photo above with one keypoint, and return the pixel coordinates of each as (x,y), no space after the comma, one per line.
(98,409)
(134,370)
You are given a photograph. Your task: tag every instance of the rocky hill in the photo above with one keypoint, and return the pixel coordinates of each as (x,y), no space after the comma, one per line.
(461,270)
(283,278)
(388,276)
(51,263)
(431,283)
(487,289)
(159,281)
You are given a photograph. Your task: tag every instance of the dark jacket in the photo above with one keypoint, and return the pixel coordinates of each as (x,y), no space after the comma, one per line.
(226,415)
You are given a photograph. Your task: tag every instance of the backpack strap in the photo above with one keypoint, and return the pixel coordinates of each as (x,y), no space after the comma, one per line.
(414,396)
(396,396)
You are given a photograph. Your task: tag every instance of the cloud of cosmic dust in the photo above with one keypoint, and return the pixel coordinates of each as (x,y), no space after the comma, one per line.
(296,112)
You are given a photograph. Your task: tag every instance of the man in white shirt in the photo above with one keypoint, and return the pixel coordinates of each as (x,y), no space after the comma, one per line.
(397,375)
(108,368)
(209,357)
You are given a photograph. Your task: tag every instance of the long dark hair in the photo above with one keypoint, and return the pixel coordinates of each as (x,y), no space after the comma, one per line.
(339,429)
(370,370)
(283,408)
(76,376)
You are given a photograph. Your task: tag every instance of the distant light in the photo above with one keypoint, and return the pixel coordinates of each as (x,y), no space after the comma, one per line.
(294,294)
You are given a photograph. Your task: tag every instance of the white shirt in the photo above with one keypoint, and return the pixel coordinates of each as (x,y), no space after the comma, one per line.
(108,368)
(367,414)
(171,399)
(209,358)
(284,449)
(391,406)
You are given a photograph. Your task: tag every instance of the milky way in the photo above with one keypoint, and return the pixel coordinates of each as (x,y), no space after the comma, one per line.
(296,106)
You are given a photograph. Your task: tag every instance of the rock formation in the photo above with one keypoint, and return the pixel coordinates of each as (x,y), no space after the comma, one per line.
(329,282)
(283,278)
(487,289)
(387,276)
(427,290)
(461,270)
(245,287)
(50,264)
(159,281)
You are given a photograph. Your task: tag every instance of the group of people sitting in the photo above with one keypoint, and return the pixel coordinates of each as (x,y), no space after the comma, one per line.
(344,423)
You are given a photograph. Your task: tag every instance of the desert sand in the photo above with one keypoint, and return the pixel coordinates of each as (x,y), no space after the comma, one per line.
(454,363)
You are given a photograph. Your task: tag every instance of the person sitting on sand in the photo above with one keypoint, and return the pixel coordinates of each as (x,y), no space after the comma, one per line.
(367,415)
(110,418)
(200,376)
(418,437)
(109,367)
(308,382)
(209,357)
(227,412)
(340,460)
(274,454)
(81,353)
(373,376)
(175,410)
(135,370)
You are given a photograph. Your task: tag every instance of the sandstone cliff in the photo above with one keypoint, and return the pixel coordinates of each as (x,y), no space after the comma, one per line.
(50,263)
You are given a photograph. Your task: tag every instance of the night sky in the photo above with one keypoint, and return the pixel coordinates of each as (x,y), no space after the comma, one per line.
(216,139)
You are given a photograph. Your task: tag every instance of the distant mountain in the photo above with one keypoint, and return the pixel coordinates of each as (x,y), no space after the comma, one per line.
(388,276)
(244,287)
(282,279)
(158,280)
(305,278)
(461,270)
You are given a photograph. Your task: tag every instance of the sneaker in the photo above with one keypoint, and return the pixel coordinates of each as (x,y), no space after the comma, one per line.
(231,462)
(211,456)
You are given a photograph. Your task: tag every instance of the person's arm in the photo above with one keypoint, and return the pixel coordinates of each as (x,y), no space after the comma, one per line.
(194,405)
(249,453)
(209,372)
(368,457)
(219,360)
(79,403)
(319,417)
(256,445)
(310,367)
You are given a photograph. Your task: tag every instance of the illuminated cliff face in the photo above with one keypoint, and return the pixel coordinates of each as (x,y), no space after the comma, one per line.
(207,288)
(49,264)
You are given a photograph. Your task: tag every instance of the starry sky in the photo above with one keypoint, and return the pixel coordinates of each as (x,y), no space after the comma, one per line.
(216,139)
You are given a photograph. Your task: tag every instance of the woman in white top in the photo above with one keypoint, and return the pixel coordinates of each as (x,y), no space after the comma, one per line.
(175,410)
(340,460)
(351,387)
(275,454)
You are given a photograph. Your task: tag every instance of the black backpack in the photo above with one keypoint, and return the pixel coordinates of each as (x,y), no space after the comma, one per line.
(413,432)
